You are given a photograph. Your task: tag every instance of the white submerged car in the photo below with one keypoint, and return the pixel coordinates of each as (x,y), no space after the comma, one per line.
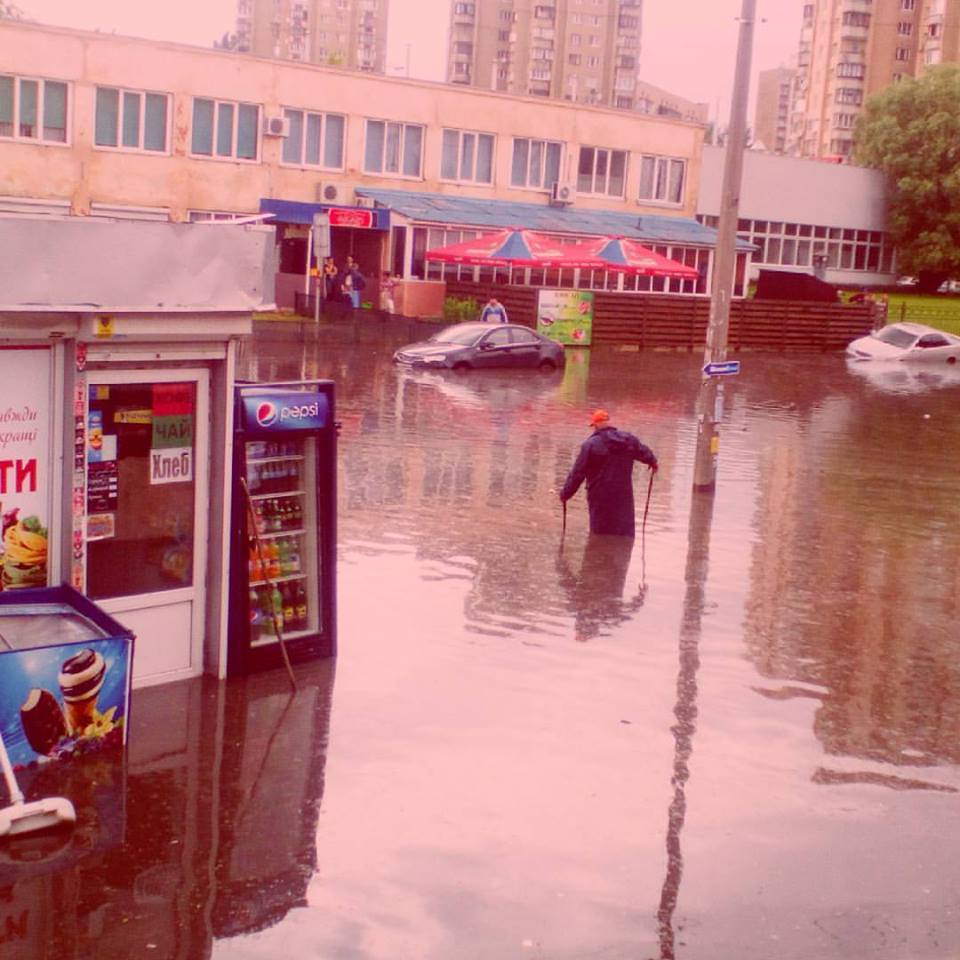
(907,342)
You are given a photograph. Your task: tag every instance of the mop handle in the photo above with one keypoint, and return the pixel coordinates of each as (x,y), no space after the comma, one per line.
(12,787)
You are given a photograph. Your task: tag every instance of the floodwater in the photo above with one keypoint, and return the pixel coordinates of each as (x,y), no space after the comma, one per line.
(737,736)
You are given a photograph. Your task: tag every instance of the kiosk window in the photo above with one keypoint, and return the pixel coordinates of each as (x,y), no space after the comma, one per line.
(140,492)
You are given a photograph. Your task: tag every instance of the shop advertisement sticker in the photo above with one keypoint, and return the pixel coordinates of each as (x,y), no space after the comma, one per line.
(171,465)
(25,438)
(103,484)
(137,415)
(101,526)
(172,431)
(170,399)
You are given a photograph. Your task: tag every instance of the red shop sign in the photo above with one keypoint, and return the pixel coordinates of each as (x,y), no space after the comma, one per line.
(351,218)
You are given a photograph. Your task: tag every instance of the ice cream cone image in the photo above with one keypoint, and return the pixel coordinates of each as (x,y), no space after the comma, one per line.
(81,679)
(43,721)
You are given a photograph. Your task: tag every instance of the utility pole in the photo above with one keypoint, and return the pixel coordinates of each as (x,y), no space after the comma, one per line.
(710,401)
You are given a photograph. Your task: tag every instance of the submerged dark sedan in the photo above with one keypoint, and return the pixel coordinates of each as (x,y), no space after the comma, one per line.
(473,345)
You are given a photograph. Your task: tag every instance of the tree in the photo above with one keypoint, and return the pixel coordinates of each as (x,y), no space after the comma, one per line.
(911,131)
(9,11)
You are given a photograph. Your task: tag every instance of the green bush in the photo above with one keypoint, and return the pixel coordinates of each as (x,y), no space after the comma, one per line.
(460,309)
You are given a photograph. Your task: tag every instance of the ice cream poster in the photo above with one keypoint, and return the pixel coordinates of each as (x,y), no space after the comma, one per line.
(25,458)
(566,316)
(65,701)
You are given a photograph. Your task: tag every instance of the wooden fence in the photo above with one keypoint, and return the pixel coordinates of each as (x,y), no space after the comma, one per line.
(680,322)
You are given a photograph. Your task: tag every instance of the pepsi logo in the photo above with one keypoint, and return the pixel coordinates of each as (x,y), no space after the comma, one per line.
(266,414)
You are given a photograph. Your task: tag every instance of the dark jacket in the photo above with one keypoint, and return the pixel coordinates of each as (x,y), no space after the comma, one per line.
(606,463)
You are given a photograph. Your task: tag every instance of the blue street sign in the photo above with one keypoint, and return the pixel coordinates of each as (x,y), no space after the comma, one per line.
(728,368)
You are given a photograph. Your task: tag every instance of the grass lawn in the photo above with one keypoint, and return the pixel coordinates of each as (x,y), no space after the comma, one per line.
(942,312)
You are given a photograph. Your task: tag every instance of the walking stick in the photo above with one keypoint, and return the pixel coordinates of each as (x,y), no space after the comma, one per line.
(643,534)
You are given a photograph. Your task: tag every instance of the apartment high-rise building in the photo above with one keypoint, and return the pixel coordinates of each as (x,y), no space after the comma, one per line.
(851,49)
(587,51)
(346,33)
(772,116)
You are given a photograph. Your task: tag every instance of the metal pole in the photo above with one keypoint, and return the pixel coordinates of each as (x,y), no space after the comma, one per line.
(709,405)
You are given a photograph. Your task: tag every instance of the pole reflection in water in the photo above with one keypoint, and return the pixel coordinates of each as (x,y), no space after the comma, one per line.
(685,710)
(204,830)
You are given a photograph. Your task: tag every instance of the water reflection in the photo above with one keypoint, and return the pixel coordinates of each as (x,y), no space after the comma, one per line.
(205,830)
(597,593)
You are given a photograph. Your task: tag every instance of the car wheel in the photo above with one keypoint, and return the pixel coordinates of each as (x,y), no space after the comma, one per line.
(461,365)
(951,359)
(547,365)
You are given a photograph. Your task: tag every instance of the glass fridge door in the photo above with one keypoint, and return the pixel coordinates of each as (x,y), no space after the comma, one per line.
(284,579)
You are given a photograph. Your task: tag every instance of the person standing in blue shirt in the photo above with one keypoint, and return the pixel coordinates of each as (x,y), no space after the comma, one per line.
(493,312)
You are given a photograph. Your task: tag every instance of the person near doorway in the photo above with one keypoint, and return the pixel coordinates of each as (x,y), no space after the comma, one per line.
(387,286)
(331,280)
(353,282)
(493,312)
(606,461)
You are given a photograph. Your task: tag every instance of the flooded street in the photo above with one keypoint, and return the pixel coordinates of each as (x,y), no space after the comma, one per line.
(735,737)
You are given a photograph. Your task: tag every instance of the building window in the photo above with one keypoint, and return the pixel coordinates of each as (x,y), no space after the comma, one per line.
(627,22)
(395,148)
(466,9)
(536,163)
(662,179)
(908,4)
(315,139)
(853,71)
(544,13)
(904,28)
(844,120)
(131,119)
(902,53)
(575,39)
(467,156)
(854,18)
(503,36)
(574,59)
(224,129)
(33,109)
(849,95)
(602,171)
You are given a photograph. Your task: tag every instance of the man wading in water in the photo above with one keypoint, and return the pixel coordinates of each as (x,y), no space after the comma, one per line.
(606,463)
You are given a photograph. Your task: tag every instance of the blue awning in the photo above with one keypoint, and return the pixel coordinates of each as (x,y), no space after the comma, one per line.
(472,212)
(296,211)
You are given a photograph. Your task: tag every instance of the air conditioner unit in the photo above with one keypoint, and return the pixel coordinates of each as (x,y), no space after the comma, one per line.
(276,127)
(561,194)
(332,193)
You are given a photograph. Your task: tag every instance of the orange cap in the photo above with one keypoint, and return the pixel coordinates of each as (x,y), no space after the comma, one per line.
(598,417)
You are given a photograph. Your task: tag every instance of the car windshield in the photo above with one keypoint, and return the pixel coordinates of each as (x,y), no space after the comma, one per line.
(463,335)
(896,336)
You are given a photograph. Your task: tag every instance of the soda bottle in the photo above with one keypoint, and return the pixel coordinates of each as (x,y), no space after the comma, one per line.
(293,554)
(283,556)
(300,605)
(266,614)
(289,609)
(273,559)
(255,614)
(276,606)
(296,520)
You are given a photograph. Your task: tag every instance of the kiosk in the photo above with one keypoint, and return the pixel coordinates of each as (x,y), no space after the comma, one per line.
(118,342)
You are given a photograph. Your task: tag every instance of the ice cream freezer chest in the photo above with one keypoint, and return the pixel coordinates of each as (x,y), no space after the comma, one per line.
(65,672)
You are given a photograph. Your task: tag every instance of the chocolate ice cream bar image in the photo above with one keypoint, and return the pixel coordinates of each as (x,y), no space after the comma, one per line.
(81,678)
(43,721)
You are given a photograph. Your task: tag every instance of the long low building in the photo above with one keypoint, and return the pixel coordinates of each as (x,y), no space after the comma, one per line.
(806,216)
(127,128)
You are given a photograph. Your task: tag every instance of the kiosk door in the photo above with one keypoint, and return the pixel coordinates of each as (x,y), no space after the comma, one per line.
(147,503)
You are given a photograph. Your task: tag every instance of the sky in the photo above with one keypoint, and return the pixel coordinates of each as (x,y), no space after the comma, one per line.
(688,46)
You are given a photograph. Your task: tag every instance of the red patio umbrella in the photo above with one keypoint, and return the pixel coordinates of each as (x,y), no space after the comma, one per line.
(621,255)
(517,248)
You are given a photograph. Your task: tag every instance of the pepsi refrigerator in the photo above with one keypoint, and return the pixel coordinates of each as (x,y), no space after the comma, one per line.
(283,522)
